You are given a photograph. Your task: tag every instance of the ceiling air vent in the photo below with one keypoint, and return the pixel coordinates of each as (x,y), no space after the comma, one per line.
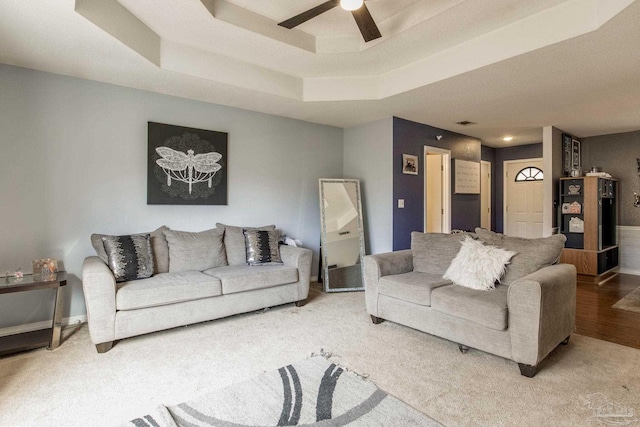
(466,123)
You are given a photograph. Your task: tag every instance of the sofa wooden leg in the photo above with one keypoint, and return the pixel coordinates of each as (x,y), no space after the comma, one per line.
(566,340)
(104,347)
(463,348)
(528,370)
(301,303)
(376,320)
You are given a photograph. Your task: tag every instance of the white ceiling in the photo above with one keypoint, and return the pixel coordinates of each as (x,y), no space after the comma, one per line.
(511,66)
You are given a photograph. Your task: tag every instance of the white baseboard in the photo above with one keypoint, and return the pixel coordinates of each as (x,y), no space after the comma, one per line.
(40,325)
(629,247)
(313,279)
(629,271)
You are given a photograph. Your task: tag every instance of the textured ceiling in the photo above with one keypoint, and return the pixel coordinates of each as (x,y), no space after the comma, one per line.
(512,66)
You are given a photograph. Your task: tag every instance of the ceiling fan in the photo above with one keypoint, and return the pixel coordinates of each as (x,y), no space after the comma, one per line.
(361,14)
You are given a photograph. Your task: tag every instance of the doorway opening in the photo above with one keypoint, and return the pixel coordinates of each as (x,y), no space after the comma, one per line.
(437,190)
(485,194)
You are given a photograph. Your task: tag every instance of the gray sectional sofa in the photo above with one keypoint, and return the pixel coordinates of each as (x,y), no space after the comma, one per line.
(168,299)
(523,319)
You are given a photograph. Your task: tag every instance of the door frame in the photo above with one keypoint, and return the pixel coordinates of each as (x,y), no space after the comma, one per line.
(491,225)
(504,185)
(446,186)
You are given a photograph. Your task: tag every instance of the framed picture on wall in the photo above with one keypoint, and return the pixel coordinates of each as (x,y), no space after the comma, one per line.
(467,177)
(575,156)
(409,164)
(186,166)
(567,150)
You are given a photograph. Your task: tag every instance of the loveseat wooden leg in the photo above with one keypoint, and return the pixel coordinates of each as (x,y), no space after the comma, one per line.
(104,347)
(566,340)
(301,303)
(376,320)
(528,371)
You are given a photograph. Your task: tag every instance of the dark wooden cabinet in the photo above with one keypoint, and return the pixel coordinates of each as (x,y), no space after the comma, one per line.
(588,215)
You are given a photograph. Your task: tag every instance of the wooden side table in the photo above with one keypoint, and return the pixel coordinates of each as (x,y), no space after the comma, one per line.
(49,337)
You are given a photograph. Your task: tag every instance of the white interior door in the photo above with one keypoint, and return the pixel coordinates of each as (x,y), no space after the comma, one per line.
(433,193)
(485,195)
(437,189)
(523,199)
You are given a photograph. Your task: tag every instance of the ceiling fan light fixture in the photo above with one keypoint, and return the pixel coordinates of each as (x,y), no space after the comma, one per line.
(351,4)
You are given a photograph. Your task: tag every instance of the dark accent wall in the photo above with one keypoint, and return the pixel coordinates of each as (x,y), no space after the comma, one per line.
(411,138)
(557,170)
(529,151)
(616,154)
(488,154)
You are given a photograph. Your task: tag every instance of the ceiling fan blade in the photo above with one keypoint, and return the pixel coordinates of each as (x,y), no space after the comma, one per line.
(367,25)
(311,13)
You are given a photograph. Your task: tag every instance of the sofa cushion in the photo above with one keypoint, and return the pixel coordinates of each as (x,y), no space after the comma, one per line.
(166,288)
(234,242)
(478,266)
(129,257)
(486,308)
(239,278)
(433,252)
(262,247)
(414,287)
(98,246)
(159,250)
(195,251)
(532,254)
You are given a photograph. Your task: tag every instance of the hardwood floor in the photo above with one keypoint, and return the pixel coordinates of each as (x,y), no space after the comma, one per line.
(596,318)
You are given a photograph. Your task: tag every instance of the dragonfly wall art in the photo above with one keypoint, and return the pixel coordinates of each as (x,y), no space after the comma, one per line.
(188,168)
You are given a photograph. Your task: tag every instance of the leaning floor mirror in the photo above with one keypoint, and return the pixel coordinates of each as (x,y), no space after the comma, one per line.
(342,236)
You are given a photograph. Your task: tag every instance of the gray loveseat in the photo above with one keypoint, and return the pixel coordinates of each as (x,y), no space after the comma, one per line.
(522,319)
(167,299)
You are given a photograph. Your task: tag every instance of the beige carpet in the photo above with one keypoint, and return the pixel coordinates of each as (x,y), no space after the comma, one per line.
(631,302)
(76,386)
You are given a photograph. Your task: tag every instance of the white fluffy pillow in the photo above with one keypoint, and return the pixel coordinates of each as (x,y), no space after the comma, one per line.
(477,265)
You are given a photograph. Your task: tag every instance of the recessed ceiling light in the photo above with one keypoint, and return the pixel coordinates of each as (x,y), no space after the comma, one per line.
(507,138)
(351,4)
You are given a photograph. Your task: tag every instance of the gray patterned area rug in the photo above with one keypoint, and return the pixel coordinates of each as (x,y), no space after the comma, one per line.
(631,302)
(314,392)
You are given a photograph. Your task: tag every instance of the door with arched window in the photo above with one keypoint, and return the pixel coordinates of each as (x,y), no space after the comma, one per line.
(523,198)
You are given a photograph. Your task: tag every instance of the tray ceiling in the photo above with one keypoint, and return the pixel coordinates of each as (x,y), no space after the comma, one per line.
(438,61)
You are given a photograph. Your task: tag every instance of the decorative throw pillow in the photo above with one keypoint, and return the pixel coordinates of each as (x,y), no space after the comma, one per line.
(478,266)
(159,249)
(234,242)
(129,257)
(262,247)
(195,251)
(533,254)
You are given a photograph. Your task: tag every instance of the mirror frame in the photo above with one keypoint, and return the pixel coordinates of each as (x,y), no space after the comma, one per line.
(323,234)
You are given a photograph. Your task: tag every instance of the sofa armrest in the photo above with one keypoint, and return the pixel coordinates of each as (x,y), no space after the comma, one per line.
(99,287)
(299,258)
(380,265)
(542,312)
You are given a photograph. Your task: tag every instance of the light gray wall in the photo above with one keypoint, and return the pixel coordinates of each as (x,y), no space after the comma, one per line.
(73,162)
(368,154)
